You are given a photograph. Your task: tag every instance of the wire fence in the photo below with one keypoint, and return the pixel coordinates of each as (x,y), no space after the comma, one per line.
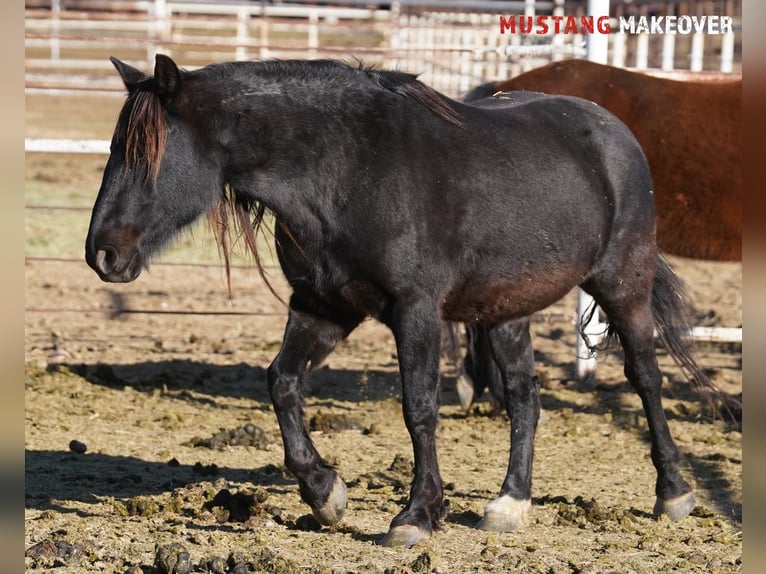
(542,317)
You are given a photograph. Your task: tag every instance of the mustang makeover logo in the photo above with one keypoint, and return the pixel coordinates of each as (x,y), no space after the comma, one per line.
(546,24)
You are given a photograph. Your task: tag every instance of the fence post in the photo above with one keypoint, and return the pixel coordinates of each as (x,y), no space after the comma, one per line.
(156,19)
(558,39)
(642,46)
(263,32)
(55,29)
(668,45)
(160,28)
(727,43)
(596,51)
(392,40)
(529,11)
(243,33)
(697,56)
(597,45)
(619,41)
(313,34)
(727,52)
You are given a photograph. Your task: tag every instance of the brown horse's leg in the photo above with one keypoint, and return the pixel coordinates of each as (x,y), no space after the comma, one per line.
(511,347)
(308,340)
(418,341)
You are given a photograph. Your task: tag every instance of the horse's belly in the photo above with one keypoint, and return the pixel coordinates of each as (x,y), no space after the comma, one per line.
(495,302)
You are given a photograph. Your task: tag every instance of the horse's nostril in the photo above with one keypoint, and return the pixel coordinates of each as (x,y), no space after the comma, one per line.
(105,260)
(113,265)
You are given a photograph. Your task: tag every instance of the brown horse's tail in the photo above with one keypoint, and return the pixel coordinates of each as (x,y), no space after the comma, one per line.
(672,320)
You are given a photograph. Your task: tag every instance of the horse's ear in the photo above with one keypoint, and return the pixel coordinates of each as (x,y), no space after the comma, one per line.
(167,77)
(130,75)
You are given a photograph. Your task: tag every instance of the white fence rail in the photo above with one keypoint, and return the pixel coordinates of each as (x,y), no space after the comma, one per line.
(454,44)
(51,145)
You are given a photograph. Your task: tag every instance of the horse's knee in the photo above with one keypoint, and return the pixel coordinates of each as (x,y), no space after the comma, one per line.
(522,385)
(284,389)
(522,395)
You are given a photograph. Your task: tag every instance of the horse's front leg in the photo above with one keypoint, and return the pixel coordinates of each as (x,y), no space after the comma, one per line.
(512,351)
(418,340)
(308,340)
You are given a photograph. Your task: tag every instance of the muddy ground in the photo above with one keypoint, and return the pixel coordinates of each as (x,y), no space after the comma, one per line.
(148,423)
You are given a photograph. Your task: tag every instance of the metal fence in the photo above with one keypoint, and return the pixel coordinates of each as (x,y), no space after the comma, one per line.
(452,44)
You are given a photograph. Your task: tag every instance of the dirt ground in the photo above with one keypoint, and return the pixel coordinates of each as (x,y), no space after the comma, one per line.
(151,445)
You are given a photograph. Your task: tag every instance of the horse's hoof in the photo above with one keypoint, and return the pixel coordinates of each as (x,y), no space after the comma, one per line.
(335,507)
(465,392)
(675,508)
(406,535)
(505,514)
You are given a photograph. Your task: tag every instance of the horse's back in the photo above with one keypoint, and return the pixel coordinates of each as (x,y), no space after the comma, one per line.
(563,136)
(691,133)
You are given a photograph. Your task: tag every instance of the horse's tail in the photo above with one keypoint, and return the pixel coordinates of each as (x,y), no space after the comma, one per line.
(480,92)
(672,321)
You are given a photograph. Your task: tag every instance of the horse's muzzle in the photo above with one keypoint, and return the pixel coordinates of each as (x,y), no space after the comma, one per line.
(113,266)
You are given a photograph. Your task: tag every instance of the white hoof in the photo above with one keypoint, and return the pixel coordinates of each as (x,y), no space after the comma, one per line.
(505,514)
(465,392)
(675,508)
(406,536)
(335,507)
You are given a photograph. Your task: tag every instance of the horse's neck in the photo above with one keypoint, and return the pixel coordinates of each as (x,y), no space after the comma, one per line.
(306,163)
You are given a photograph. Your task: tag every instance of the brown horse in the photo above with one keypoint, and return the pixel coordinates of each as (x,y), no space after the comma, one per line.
(691,133)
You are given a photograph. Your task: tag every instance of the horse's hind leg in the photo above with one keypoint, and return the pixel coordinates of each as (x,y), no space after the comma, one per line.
(308,340)
(511,347)
(634,324)
(481,370)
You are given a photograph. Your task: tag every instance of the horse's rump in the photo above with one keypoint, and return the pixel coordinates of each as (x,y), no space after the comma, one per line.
(691,132)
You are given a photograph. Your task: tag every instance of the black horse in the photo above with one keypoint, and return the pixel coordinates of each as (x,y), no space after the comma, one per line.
(395,202)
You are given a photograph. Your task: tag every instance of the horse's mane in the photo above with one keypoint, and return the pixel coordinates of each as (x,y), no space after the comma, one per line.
(142,125)
(408,86)
(236,216)
(341,74)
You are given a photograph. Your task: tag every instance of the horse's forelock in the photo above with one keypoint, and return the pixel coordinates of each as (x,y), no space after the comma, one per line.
(143,123)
